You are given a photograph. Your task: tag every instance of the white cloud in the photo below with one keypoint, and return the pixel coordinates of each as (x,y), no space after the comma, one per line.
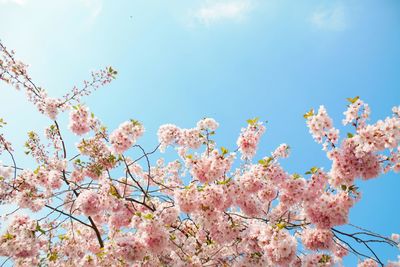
(332,18)
(216,11)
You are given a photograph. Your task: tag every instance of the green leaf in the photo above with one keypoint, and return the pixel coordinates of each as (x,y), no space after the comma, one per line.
(281,225)
(296,176)
(135,122)
(350,135)
(31,134)
(313,170)
(353,188)
(266,161)
(39,229)
(101,254)
(8,236)
(253,121)
(224,181)
(114,192)
(201,188)
(63,237)
(325,258)
(344,187)
(255,255)
(112,72)
(309,114)
(2,122)
(148,216)
(112,158)
(36,171)
(52,256)
(224,151)
(353,100)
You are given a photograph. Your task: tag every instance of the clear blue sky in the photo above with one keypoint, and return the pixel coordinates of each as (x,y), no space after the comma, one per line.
(179,61)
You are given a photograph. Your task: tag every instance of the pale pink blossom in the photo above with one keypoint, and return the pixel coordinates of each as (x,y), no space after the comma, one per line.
(126,135)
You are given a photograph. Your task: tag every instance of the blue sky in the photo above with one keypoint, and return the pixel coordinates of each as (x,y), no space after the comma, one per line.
(180,61)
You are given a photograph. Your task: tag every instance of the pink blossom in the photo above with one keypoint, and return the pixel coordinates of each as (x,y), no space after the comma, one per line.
(249,139)
(395,237)
(51,107)
(80,120)
(368,263)
(282,151)
(315,239)
(167,135)
(209,168)
(89,202)
(317,259)
(321,127)
(130,248)
(357,113)
(207,124)
(329,210)
(126,135)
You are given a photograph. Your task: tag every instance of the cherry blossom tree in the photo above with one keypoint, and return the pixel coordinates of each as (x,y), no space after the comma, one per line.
(100,206)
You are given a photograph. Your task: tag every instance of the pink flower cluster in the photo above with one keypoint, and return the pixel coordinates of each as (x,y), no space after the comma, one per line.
(315,239)
(292,191)
(249,139)
(318,259)
(169,134)
(321,127)
(89,202)
(126,135)
(279,246)
(346,165)
(20,240)
(194,200)
(155,237)
(329,210)
(79,120)
(207,169)
(207,124)
(130,247)
(357,113)
(282,151)
(368,263)
(377,137)
(50,107)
